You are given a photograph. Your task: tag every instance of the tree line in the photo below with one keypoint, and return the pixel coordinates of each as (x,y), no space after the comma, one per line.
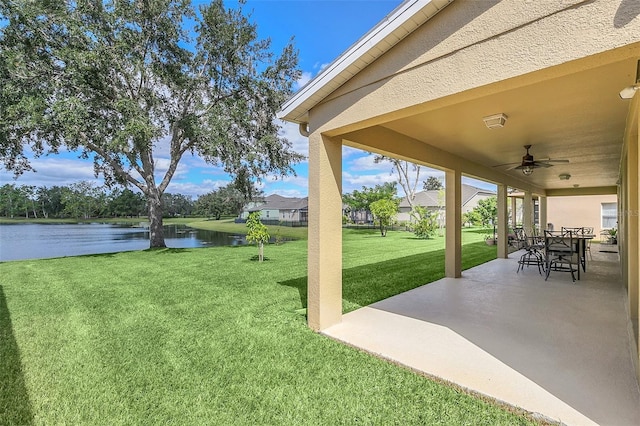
(85,200)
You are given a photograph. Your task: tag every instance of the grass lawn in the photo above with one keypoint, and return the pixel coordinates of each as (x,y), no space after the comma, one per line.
(228,225)
(210,336)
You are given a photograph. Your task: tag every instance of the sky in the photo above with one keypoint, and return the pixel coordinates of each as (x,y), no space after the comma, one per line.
(322,30)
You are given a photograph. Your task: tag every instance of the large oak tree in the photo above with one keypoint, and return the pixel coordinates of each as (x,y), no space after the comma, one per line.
(137,84)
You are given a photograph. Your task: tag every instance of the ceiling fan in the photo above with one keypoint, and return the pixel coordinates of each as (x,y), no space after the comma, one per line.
(528,164)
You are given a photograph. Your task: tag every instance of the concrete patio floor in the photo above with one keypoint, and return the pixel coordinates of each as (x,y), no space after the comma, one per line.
(555,348)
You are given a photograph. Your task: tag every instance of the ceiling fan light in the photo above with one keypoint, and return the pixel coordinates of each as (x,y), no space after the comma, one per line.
(527,170)
(495,121)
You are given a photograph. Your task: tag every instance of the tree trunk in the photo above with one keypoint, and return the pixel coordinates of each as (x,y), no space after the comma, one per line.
(260,251)
(156,231)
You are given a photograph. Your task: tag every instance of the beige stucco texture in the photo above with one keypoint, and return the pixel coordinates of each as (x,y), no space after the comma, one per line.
(417,87)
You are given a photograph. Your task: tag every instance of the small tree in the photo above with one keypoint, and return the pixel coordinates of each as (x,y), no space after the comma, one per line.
(258,233)
(359,201)
(426,222)
(408,176)
(384,211)
(488,210)
(472,218)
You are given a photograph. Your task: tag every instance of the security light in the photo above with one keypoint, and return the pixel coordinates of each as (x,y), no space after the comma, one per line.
(495,121)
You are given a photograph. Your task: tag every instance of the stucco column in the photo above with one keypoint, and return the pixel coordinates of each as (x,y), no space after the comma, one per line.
(631,212)
(503,228)
(514,212)
(542,213)
(634,281)
(324,284)
(527,213)
(453,241)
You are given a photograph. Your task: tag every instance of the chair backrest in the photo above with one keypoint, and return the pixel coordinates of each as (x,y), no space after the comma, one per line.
(562,241)
(579,230)
(520,235)
(587,230)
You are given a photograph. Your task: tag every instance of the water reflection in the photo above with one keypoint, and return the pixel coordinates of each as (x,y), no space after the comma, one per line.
(37,241)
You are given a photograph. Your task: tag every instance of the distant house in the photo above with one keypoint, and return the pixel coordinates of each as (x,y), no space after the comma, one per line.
(276,208)
(434,200)
(357,216)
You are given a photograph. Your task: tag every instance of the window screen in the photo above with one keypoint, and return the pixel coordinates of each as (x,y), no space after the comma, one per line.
(609,215)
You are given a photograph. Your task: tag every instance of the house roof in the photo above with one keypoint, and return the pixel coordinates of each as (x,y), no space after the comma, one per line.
(387,33)
(430,198)
(423,198)
(468,192)
(278,202)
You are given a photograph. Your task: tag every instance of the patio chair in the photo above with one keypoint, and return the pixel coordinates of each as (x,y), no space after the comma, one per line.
(516,238)
(587,230)
(575,230)
(561,253)
(532,252)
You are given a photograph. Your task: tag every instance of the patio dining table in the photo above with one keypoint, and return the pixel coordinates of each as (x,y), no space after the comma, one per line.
(580,240)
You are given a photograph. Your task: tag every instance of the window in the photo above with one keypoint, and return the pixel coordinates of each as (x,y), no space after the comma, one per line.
(609,215)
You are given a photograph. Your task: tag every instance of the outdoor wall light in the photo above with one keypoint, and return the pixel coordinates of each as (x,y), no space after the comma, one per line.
(630,91)
(564,176)
(527,170)
(495,121)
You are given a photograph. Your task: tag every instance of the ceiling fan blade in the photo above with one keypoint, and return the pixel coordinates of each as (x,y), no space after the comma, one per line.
(552,160)
(514,166)
(507,164)
(541,164)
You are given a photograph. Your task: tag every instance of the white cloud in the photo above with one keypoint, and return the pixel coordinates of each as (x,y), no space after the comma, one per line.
(193,189)
(298,180)
(54,171)
(287,193)
(162,148)
(320,66)
(299,143)
(366,163)
(162,165)
(305,77)
(357,181)
(348,152)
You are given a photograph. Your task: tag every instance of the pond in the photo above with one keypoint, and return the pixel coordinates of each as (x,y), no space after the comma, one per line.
(38,241)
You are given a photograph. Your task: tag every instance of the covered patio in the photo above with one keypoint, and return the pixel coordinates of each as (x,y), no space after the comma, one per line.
(426,85)
(555,348)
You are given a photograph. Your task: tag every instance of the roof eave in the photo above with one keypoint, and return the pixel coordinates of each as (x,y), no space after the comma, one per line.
(387,33)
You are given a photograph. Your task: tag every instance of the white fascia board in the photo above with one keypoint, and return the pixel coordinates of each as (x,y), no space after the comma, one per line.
(371,46)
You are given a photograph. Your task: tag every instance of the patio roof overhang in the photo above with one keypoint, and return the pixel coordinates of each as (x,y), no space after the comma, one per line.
(555,69)
(572,111)
(567,106)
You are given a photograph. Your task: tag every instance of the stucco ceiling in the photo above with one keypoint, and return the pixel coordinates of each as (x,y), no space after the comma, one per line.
(577,116)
